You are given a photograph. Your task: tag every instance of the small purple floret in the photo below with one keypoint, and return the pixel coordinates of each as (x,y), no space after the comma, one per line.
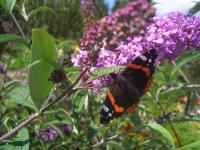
(2,68)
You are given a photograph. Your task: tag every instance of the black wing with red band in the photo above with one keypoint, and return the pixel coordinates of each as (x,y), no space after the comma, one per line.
(129,86)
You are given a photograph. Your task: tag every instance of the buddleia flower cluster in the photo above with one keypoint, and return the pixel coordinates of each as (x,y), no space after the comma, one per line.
(108,32)
(174,33)
(2,68)
(171,34)
(50,133)
(88,13)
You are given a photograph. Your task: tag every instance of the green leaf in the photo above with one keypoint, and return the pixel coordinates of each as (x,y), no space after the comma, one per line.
(163,131)
(23,12)
(188,57)
(92,131)
(193,99)
(195,8)
(181,87)
(43,49)
(104,71)
(21,141)
(73,69)
(7,147)
(79,100)
(11,4)
(116,145)
(3,4)
(13,38)
(191,145)
(40,9)
(21,95)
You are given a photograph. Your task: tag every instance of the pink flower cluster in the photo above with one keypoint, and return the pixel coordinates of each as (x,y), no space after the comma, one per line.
(123,23)
(170,34)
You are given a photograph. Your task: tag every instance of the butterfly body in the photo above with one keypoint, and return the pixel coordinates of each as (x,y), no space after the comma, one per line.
(128,87)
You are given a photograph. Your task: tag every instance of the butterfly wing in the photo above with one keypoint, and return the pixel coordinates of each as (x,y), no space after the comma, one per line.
(140,72)
(133,82)
(119,100)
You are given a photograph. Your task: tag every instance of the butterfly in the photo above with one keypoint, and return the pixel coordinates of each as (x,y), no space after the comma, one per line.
(129,86)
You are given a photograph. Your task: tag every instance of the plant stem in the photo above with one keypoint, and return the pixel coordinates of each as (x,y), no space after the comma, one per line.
(172,127)
(106,140)
(43,109)
(185,78)
(18,26)
(21,125)
(170,124)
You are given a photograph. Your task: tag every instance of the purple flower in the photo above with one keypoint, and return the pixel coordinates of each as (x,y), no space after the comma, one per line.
(48,134)
(2,68)
(171,34)
(66,129)
(88,9)
(108,32)
(57,76)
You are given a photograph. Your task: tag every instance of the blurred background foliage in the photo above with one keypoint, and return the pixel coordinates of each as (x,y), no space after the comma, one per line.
(81,110)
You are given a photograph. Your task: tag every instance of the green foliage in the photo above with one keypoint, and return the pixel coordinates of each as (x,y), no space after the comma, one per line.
(21,95)
(20,142)
(104,71)
(19,98)
(8,5)
(34,11)
(195,9)
(188,57)
(43,48)
(13,38)
(191,145)
(162,131)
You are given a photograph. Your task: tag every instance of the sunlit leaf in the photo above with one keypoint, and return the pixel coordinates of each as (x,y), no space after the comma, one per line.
(43,48)
(195,8)
(21,95)
(190,146)
(165,133)
(11,4)
(105,71)
(188,57)
(116,145)
(21,140)
(3,4)
(7,147)
(40,9)
(12,38)
(23,12)
(79,100)
(73,69)
(181,87)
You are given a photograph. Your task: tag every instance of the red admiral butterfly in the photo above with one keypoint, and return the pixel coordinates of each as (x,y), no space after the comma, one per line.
(129,86)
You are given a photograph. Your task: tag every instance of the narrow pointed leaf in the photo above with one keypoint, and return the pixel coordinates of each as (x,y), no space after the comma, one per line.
(40,9)
(165,133)
(12,38)
(104,71)
(188,57)
(4,5)
(190,146)
(181,88)
(11,4)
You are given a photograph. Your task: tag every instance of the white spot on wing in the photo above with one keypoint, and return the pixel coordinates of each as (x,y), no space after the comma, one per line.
(150,60)
(105,108)
(144,58)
